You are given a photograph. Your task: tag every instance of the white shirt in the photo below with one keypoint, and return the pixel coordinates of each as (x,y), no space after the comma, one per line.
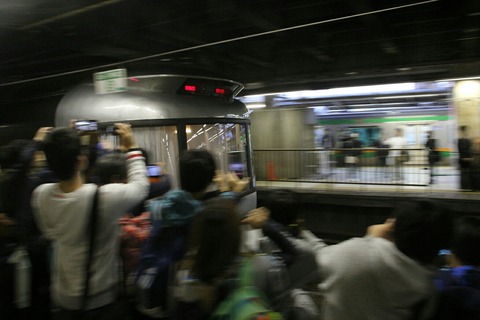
(395,143)
(369,278)
(63,218)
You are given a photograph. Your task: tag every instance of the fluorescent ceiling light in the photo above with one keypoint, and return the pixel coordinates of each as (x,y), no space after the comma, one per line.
(346,91)
(460,79)
(256,106)
(410,96)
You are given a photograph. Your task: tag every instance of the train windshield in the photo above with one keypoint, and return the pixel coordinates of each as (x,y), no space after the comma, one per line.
(227,142)
(161,147)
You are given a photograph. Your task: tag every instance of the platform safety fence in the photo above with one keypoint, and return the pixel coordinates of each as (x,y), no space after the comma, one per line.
(376,166)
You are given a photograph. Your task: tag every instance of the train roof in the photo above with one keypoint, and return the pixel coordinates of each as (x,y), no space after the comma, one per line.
(154,97)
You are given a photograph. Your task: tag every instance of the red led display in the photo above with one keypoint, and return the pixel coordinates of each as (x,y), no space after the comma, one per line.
(212,89)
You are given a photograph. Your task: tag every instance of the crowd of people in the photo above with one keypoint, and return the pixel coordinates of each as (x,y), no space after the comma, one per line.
(392,153)
(61,233)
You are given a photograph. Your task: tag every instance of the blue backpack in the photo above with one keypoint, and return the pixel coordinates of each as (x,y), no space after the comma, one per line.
(164,247)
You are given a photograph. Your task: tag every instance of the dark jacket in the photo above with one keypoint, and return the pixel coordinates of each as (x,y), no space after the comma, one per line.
(459,293)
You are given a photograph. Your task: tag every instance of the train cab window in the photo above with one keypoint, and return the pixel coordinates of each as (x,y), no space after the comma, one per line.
(162,150)
(227,142)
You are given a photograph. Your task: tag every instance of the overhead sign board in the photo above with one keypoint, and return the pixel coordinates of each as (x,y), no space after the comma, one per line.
(110,81)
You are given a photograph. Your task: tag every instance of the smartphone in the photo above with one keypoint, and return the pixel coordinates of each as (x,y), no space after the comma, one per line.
(444,252)
(86,125)
(154,171)
(111,130)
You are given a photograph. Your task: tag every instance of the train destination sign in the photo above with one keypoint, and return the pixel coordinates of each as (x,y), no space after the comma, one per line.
(110,81)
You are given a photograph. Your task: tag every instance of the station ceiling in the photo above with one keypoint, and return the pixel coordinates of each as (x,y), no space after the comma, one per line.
(267,45)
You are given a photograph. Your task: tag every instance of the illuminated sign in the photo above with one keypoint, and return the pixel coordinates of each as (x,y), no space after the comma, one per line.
(110,81)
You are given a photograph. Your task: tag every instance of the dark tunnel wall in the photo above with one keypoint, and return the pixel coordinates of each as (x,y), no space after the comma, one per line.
(21,119)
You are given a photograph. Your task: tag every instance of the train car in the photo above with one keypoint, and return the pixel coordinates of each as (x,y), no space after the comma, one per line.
(373,130)
(169,114)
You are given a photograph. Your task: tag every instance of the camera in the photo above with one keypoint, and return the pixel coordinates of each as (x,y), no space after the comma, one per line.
(154,171)
(111,130)
(88,131)
(86,125)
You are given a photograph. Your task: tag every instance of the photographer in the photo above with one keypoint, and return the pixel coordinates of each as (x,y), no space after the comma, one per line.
(63,212)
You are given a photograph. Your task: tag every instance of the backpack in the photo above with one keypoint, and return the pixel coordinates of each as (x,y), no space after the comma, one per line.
(165,246)
(246,302)
(155,274)
(134,233)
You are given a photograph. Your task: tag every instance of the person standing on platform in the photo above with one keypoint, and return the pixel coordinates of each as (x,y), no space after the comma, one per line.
(387,273)
(475,165)
(328,142)
(458,281)
(396,144)
(464,146)
(63,213)
(382,151)
(353,156)
(433,154)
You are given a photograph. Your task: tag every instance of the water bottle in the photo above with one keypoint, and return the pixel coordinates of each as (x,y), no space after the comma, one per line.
(22,277)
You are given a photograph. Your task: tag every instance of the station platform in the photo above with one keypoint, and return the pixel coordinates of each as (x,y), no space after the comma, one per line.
(338,211)
(446,186)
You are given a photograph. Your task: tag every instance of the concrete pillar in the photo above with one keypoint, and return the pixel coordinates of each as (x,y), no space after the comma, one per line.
(466,101)
(281,129)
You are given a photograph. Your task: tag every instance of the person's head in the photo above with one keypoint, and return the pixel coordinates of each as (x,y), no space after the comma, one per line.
(398,132)
(197,169)
(216,234)
(284,207)
(422,228)
(463,130)
(466,240)
(111,168)
(10,153)
(63,150)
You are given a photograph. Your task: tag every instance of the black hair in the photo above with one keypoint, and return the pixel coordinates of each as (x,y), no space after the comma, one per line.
(197,169)
(62,147)
(216,232)
(110,167)
(10,153)
(12,179)
(422,228)
(466,240)
(284,206)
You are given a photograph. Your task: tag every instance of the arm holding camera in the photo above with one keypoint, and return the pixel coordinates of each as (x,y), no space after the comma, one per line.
(125,133)
(136,188)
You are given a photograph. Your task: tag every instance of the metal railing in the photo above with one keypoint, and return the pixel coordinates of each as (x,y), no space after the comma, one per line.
(375,166)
